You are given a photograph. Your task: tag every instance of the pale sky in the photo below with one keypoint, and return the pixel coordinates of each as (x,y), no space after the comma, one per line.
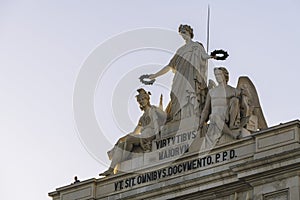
(44,45)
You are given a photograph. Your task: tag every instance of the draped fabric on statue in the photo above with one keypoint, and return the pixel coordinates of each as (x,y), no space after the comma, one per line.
(190,67)
(151,121)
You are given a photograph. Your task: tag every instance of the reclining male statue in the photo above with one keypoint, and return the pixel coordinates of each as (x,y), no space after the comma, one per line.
(140,140)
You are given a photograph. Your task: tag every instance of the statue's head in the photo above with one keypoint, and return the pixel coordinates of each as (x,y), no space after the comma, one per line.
(143,98)
(184,29)
(224,72)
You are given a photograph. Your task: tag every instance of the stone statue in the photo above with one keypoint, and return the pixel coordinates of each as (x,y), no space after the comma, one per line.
(230,110)
(140,140)
(190,67)
(252,117)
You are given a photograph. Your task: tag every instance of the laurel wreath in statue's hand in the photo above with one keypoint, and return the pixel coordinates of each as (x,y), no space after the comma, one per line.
(144,80)
(219,54)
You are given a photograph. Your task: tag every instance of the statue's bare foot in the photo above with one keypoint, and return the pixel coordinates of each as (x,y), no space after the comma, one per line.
(108,172)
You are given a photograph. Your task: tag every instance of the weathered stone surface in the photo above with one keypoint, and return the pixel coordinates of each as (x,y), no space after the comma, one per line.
(262,166)
(82,193)
(273,140)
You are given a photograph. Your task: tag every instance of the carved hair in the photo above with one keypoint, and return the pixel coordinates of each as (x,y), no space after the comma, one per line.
(186,28)
(143,93)
(224,71)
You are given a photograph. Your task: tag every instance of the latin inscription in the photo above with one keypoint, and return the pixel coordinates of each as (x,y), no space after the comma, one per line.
(175,169)
(175,145)
(171,152)
(177,139)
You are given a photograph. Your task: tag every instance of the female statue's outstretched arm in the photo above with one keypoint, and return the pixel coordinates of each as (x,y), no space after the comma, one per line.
(160,72)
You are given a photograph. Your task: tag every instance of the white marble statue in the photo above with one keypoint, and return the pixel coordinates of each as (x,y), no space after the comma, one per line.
(230,110)
(190,67)
(140,140)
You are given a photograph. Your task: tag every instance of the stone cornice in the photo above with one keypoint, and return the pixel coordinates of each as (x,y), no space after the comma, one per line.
(263,157)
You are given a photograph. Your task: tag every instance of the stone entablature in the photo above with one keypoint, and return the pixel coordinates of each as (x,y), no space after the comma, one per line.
(262,166)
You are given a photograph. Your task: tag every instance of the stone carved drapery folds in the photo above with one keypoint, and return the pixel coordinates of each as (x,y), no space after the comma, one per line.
(190,67)
(140,139)
(232,111)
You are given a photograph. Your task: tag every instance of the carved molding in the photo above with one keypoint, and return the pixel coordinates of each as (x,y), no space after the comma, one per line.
(278,195)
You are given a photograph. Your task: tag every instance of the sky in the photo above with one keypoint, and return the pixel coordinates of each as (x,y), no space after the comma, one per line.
(46,46)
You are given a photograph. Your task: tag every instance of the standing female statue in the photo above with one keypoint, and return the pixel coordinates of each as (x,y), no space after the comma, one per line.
(190,67)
